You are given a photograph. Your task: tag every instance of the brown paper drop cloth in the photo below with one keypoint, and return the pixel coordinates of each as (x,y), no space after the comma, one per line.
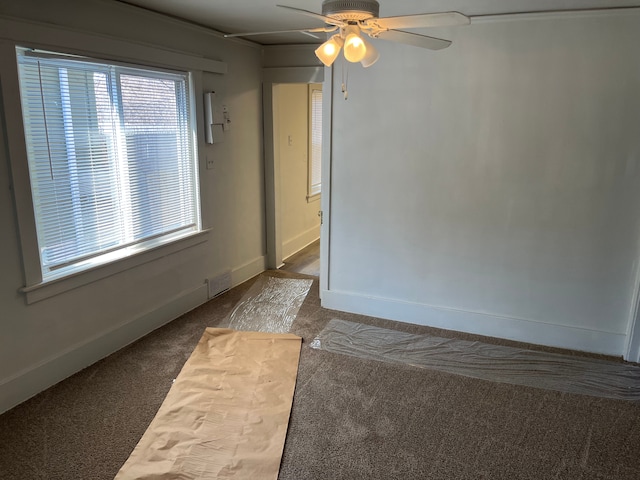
(227,413)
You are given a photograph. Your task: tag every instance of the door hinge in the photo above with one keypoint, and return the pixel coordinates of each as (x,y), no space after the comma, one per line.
(321,215)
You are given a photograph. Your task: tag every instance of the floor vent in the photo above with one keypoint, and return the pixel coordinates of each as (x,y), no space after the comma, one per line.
(219,284)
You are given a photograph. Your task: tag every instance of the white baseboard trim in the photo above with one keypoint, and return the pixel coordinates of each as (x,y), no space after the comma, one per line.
(29,382)
(249,270)
(297,243)
(528,331)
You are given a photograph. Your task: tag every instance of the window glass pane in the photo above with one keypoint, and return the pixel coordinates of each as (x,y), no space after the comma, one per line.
(155,117)
(110,154)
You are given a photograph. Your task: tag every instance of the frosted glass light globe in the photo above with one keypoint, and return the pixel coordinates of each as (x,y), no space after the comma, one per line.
(354,48)
(329,50)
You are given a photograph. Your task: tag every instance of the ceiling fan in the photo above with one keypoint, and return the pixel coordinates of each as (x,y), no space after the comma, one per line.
(351,18)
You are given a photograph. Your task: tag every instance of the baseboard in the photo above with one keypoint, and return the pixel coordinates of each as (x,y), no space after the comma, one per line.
(297,243)
(248,270)
(29,382)
(528,331)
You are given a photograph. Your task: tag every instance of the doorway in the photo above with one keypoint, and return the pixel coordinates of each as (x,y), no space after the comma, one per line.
(279,139)
(297,131)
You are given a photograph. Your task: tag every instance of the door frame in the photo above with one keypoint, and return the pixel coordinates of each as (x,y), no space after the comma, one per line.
(271,78)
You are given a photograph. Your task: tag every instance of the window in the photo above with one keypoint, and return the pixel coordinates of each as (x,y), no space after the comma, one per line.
(111,158)
(315,142)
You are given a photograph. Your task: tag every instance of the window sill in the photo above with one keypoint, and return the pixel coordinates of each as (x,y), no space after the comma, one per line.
(313,198)
(49,288)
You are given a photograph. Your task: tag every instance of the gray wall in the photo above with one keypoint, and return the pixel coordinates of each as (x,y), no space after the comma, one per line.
(43,342)
(493,187)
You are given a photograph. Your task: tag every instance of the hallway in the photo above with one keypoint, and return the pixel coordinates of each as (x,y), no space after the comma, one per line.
(306,261)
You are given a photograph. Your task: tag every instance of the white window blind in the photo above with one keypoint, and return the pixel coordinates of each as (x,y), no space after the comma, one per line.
(111,158)
(315,138)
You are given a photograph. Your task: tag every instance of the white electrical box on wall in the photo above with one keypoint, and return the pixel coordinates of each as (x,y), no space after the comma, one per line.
(216,118)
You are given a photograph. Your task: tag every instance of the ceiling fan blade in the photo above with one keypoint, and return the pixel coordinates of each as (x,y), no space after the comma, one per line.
(414,39)
(446,19)
(325,19)
(306,31)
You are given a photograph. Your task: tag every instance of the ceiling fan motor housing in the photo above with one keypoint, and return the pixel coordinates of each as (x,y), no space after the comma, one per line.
(350,10)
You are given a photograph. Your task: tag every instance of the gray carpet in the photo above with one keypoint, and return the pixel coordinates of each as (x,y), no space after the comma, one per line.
(351,418)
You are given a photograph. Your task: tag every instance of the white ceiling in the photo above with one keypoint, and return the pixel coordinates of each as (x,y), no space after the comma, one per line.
(233,16)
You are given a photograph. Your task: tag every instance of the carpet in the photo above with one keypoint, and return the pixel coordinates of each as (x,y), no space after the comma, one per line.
(352,418)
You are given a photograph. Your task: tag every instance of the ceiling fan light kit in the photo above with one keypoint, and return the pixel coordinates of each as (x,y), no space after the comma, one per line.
(353,18)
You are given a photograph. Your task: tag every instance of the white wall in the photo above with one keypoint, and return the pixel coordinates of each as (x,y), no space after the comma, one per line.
(300,221)
(43,342)
(493,187)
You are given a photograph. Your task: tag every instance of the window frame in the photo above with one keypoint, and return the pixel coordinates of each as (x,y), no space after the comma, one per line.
(311,194)
(35,289)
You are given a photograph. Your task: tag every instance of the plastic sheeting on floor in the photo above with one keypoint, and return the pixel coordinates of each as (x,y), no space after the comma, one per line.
(227,413)
(563,373)
(270,305)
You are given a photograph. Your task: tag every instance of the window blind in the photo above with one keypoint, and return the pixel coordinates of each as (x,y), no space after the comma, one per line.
(111,157)
(315,164)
